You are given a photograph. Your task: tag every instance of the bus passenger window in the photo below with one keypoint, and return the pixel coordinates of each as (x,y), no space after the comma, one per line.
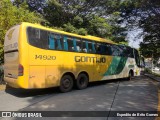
(65,43)
(124,52)
(79,45)
(120,50)
(44,39)
(103,49)
(84,47)
(115,50)
(58,43)
(131,54)
(109,49)
(78,49)
(87,46)
(74,44)
(70,44)
(137,58)
(37,37)
(98,49)
(90,47)
(61,42)
(51,41)
(94,47)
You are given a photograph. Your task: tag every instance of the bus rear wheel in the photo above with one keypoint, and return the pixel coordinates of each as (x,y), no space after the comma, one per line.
(66,83)
(82,81)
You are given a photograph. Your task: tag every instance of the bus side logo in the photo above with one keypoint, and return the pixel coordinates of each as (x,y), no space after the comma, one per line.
(10,34)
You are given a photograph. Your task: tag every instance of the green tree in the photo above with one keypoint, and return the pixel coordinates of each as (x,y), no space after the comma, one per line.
(144,14)
(11,15)
(82,16)
(103,18)
(98,26)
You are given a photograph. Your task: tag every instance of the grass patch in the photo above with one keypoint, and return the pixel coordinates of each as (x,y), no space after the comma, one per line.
(156,74)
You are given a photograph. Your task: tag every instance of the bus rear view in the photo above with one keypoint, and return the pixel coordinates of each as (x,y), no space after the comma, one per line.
(12,68)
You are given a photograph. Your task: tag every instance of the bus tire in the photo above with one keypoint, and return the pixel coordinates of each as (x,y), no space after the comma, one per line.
(82,81)
(66,83)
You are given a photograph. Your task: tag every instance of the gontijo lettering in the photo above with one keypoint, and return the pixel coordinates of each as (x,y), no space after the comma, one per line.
(11,46)
(90,59)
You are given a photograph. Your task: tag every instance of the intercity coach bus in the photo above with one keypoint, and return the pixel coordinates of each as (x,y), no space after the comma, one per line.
(40,57)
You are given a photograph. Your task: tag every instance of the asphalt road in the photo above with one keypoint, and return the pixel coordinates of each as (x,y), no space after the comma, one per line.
(139,94)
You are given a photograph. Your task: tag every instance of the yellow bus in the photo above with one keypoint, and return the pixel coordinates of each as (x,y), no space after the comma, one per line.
(40,57)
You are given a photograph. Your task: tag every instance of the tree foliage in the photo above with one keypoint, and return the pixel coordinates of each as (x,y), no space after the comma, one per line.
(151,39)
(82,16)
(11,15)
(144,14)
(106,18)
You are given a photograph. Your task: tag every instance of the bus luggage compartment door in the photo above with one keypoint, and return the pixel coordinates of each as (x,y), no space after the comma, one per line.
(37,77)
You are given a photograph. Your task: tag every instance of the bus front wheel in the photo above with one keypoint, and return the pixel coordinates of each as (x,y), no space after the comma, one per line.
(66,83)
(82,81)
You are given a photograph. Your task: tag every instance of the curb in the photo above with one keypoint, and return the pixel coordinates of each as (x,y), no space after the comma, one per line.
(152,77)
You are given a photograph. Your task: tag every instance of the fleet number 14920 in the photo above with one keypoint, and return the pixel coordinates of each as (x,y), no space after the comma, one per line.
(45,57)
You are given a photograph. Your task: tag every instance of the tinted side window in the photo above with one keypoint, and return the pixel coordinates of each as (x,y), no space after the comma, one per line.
(94,47)
(103,49)
(91,47)
(109,49)
(55,41)
(65,43)
(98,48)
(51,41)
(37,37)
(59,41)
(121,50)
(137,58)
(70,44)
(130,52)
(78,45)
(90,50)
(44,38)
(125,51)
(115,50)
(84,46)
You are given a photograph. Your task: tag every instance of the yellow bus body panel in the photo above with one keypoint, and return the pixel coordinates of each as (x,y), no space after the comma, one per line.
(44,68)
